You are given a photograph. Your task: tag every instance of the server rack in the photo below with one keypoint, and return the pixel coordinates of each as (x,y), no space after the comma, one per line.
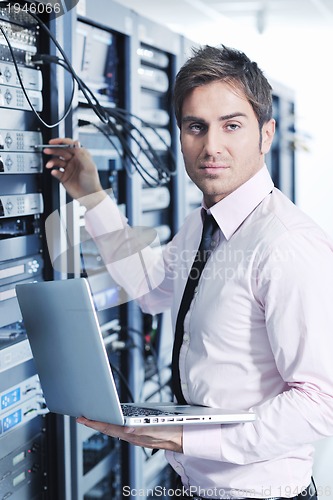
(119,34)
(99,57)
(158,51)
(281,158)
(26,462)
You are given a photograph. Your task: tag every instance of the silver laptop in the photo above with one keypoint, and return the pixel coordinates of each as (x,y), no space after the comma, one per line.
(73,367)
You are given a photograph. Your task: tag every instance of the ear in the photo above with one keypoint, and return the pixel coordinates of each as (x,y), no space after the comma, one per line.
(268,131)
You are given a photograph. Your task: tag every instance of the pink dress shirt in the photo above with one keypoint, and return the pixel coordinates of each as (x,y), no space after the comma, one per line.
(259,335)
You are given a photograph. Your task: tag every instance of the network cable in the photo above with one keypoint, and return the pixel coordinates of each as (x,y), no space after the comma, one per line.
(69,107)
(118,121)
(154,355)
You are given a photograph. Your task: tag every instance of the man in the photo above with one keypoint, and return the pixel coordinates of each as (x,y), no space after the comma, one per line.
(258,333)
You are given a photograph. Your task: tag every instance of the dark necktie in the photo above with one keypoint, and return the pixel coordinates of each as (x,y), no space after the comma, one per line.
(200,260)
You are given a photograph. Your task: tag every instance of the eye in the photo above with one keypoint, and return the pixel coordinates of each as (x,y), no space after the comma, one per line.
(196,128)
(232,126)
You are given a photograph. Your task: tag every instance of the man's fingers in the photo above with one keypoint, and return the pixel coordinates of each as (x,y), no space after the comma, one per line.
(109,429)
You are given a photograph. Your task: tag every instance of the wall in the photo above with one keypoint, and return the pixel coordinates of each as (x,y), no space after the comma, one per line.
(300,59)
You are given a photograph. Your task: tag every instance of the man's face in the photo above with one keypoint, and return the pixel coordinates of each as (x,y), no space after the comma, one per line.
(220,140)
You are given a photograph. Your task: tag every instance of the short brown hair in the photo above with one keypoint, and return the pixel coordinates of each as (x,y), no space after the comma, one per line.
(209,64)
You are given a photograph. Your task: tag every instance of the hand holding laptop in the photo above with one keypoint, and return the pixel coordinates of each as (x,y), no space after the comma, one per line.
(158,437)
(85,383)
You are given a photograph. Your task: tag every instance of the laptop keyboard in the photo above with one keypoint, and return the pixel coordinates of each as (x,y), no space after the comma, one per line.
(137,411)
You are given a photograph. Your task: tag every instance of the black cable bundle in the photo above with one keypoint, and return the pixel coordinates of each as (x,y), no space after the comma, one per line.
(122,128)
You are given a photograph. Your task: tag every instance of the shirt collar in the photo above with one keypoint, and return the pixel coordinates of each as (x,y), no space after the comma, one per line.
(232,210)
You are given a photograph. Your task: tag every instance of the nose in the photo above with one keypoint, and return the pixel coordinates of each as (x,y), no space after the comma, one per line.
(213,142)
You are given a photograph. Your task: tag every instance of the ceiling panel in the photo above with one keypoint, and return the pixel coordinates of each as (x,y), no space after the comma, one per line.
(261,14)
(275,12)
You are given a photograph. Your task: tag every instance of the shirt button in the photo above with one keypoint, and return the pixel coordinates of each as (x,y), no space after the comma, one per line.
(184,386)
(186,338)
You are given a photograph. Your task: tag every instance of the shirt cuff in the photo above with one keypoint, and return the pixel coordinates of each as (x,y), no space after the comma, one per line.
(202,441)
(104,218)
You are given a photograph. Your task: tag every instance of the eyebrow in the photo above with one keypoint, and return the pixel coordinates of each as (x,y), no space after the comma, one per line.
(190,118)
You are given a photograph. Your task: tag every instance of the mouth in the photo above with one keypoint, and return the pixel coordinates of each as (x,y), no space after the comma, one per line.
(213,167)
